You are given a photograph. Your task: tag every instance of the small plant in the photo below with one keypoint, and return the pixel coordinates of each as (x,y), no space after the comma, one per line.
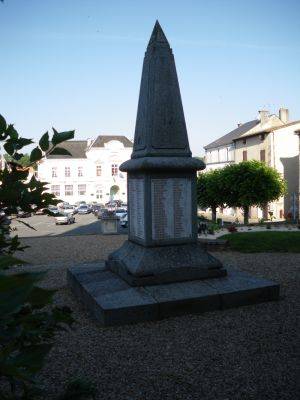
(232,229)
(261,221)
(212,228)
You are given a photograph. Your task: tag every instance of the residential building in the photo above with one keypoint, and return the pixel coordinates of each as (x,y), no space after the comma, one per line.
(91,173)
(271,139)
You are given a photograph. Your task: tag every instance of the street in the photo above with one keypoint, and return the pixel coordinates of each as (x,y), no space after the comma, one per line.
(44,225)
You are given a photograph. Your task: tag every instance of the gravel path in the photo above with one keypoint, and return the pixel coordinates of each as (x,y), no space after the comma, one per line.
(244,353)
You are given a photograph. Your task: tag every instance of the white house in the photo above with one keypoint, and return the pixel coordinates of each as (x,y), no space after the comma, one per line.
(271,139)
(91,173)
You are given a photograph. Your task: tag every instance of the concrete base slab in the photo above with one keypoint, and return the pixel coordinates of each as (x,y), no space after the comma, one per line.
(112,301)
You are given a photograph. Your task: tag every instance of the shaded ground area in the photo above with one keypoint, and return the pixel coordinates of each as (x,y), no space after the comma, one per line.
(244,353)
(251,242)
(69,249)
(45,225)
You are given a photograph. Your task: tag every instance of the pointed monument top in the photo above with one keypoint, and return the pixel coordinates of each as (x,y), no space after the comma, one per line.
(160,130)
(158,37)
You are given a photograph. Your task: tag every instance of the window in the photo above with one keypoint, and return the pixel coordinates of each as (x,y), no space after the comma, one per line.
(99,194)
(263,155)
(55,189)
(67,172)
(98,170)
(54,172)
(244,141)
(245,155)
(68,190)
(81,190)
(114,169)
(262,137)
(80,171)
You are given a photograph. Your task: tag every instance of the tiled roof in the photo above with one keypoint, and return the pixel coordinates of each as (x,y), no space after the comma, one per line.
(76,147)
(236,133)
(275,128)
(102,139)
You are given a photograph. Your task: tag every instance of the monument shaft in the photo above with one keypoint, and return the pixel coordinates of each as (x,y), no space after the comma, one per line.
(162,201)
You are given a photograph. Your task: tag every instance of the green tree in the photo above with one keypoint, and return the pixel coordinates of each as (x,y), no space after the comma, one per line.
(210,191)
(251,183)
(24,160)
(27,323)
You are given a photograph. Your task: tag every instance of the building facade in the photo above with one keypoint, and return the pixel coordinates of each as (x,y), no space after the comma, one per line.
(91,173)
(271,139)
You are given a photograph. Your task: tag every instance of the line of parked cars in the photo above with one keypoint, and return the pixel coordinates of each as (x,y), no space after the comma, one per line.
(116,208)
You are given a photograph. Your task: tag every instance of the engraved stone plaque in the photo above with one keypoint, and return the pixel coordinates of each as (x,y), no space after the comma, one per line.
(136,211)
(171,208)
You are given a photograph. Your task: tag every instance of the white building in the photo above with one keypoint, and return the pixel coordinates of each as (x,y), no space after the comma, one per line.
(91,173)
(271,139)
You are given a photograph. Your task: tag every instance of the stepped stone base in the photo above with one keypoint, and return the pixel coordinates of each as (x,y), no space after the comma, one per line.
(112,301)
(142,266)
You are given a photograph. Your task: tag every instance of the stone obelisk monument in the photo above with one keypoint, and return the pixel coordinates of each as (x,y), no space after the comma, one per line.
(161,269)
(162,245)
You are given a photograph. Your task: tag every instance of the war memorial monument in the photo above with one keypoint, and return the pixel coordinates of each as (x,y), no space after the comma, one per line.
(162,270)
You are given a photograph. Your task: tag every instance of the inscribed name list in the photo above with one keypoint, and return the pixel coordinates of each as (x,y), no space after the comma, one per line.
(171,208)
(136,202)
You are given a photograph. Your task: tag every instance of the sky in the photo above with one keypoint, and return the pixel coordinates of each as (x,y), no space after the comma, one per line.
(76,64)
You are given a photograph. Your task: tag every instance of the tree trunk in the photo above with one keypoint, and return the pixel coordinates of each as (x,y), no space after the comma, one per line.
(214,214)
(246,215)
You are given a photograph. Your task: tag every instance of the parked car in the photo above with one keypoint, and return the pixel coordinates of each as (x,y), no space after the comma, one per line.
(83,209)
(68,209)
(23,214)
(40,211)
(102,211)
(62,218)
(54,210)
(121,212)
(96,208)
(124,221)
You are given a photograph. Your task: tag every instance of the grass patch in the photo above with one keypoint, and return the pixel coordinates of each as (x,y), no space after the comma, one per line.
(263,242)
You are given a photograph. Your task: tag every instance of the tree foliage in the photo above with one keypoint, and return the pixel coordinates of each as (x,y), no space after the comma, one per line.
(252,183)
(247,184)
(211,191)
(26,326)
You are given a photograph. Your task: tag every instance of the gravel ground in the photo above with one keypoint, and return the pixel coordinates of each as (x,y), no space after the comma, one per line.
(244,353)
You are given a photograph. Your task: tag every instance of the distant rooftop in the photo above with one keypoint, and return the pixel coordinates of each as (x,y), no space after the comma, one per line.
(235,134)
(78,148)
(102,139)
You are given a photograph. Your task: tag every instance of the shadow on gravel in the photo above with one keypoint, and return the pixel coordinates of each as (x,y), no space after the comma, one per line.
(93,228)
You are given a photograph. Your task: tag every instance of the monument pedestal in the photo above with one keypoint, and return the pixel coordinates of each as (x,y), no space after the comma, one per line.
(139,265)
(112,301)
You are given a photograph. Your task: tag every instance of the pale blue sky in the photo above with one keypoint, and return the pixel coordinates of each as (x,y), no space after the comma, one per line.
(76,64)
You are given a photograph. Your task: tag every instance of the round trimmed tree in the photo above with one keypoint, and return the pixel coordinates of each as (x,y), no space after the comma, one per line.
(210,191)
(251,183)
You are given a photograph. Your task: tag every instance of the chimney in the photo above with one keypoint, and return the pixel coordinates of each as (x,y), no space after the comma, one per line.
(239,124)
(284,115)
(264,115)
(89,142)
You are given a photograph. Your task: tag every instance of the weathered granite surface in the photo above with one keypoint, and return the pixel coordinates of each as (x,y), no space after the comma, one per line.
(162,201)
(140,265)
(112,301)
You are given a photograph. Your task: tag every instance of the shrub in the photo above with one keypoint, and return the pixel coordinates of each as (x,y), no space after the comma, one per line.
(28,322)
